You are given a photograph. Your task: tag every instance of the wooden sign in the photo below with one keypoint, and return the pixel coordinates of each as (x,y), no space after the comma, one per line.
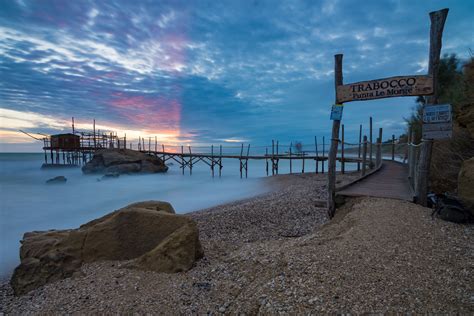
(385,88)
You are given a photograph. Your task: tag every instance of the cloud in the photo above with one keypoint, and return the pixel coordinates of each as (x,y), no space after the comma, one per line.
(207,71)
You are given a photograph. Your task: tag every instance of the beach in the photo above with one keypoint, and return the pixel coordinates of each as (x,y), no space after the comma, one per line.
(278,253)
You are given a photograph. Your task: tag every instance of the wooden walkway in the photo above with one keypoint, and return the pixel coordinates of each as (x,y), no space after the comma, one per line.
(391,181)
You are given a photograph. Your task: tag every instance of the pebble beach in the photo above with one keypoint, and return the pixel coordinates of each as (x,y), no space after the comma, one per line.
(278,253)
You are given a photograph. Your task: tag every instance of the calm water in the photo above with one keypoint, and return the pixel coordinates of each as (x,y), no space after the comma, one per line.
(27,203)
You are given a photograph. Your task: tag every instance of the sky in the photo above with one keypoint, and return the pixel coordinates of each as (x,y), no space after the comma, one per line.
(210,72)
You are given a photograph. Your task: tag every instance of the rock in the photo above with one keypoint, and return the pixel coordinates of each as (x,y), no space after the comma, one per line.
(58,179)
(149,232)
(466,183)
(111,175)
(176,253)
(123,161)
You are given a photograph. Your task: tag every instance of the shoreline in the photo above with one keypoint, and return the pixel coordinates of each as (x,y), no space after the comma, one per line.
(276,252)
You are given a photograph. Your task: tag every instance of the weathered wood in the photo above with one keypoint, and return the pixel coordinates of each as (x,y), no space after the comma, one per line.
(212,160)
(438,19)
(322,162)
(338,81)
(316,148)
(393,147)
(266,160)
(302,170)
(95,141)
(291,160)
(359,146)
(220,161)
(388,181)
(364,156)
(182,158)
(371,143)
(342,150)
(379,144)
(400,86)
(378,154)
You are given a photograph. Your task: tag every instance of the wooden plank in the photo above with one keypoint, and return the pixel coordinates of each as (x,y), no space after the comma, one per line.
(400,86)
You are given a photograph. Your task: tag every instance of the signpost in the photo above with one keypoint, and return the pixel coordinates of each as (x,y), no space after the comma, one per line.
(385,88)
(437,122)
(394,87)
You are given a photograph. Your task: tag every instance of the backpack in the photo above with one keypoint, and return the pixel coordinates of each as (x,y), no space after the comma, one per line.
(450,208)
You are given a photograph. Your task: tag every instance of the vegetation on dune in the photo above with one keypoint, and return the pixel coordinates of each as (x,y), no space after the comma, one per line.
(456,87)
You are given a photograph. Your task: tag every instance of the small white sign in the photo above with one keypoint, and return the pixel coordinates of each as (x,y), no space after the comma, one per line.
(437,113)
(437,122)
(336,112)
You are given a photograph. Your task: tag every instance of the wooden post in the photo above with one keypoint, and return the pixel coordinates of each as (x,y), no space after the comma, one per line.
(212,160)
(220,160)
(302,170)
(266,159)
(277,160)
(322,162)
(163,150)
(291,165)
(364,156)
(182,158)
(358,151)
(190,161)
(156,145)
(240,159)
(393,147)
(342,150)
(149,145)
(438,18)
(73,130)
(95,144)
(411,158)
(273,157)
(125,141)
(247,161)
(378,154)
(316,148)
(371,143)
(379,144)
(338,80)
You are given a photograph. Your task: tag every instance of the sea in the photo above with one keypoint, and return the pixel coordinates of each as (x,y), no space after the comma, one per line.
(27,203)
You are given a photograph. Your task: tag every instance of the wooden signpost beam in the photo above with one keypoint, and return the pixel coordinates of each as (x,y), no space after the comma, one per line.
(438,18)
(334,142)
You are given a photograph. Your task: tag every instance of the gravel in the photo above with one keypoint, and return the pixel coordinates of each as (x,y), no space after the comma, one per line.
(278,253)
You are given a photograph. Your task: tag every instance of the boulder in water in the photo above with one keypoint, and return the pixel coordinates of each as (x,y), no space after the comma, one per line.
(149,233)
(110,175)
(58,179)
(123,161)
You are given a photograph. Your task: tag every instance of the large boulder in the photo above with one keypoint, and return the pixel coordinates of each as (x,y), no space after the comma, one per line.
(123,161)
(466,183)
(149,234)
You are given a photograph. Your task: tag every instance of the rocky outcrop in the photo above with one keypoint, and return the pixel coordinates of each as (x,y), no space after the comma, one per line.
(58,179)
(466,183)
(148,233)
(123,161)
